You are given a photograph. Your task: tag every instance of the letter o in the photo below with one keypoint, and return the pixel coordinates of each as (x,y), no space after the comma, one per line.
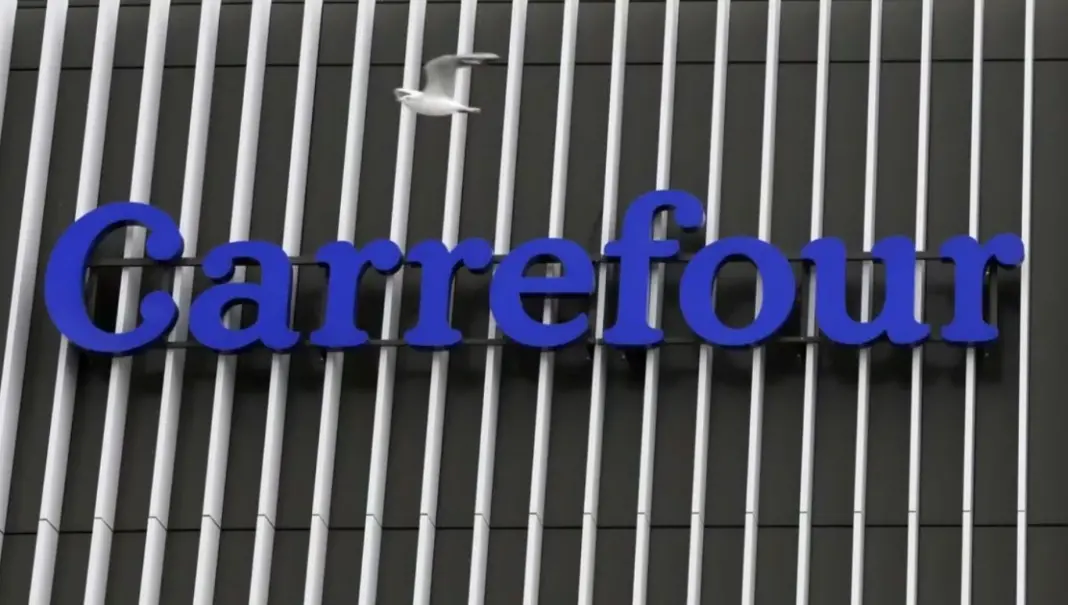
(777,279)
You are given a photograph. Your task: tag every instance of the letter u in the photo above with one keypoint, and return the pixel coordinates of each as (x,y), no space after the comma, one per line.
(897,319)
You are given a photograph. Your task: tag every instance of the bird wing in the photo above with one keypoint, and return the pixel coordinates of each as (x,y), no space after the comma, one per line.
(441,71)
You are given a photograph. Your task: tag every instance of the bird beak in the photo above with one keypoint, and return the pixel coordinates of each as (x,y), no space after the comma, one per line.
(399,93)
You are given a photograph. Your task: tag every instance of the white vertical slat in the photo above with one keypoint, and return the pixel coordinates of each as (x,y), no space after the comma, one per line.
(7,39)
(609,212)
(1025,303)
(871,173)
(335,360)
(916,389)
(756,404)
(55,474)
(656,297)
(557,206)
(174,365)
(278,389)
(226,367)
(808,423)
(387,359)
(974,183)
(29,246)
(439,369)
(487,447)
(695,565)
(129,295)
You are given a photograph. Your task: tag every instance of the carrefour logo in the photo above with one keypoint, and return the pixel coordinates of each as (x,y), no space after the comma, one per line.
(574,274)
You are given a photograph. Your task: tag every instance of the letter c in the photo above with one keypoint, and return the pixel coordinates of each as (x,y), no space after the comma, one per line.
(64,287)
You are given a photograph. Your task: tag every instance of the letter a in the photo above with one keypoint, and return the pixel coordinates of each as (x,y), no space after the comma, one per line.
(271,296)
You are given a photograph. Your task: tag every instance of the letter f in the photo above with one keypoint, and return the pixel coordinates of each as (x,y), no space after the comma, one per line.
(635,250)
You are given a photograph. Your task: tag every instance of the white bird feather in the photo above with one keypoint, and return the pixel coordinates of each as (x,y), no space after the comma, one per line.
(437,98)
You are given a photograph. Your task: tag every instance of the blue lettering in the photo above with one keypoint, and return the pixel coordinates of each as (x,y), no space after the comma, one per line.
(271,297)
(439,269)
(572,275)
(635,250)
(345,265)
(64,287)
(510,284)
(896,320)
(777,299)
(971,259)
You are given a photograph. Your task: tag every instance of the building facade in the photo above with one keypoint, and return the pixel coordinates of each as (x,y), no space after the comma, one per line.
(795,472)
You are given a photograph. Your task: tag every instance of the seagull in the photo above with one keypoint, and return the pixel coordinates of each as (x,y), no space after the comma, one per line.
(436,98)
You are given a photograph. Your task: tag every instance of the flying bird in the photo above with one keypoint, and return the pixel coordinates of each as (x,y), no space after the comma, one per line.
(437,97)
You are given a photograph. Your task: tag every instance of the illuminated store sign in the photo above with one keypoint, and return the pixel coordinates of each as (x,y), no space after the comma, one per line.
(635,251)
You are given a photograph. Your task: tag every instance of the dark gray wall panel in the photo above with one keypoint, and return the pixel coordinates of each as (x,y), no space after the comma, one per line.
(776,562)
(245,456)
(512,455)
(721,566)
(142,414)
(39,382)
(668,563)
(997,407)
(452,565)
(784,374)
(83,460)
(994,566)
(191,449)
(343,553)
(300,443)
(731,371)
(943,411)
(836,394)
(560,551)
(1048,497)
(460,437)
(613,565)
(504,567)
(623,402)
(234,566)
(518,391)
(288,565)
(396,566)
(253,372)
(939,565)
(124,570)
(16,567)
(901,38)
(179,568)
(1046,556)
(14,144)
(91,403)
(830,563)
(72,561)
(198,387)
(885,563)
(889,408)
(467,366)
